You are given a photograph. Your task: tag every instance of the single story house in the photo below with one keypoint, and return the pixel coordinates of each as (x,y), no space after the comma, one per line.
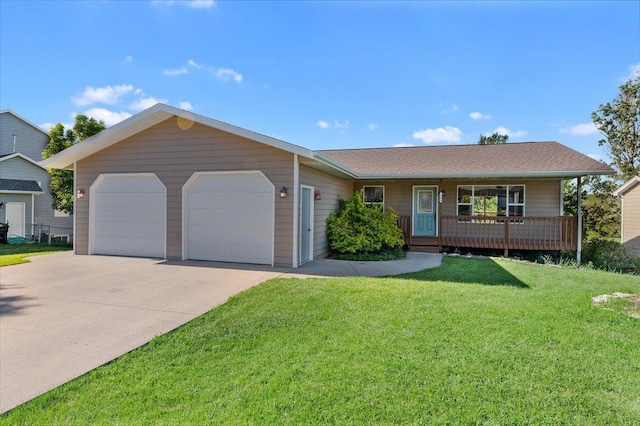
(630,195)
(168,183)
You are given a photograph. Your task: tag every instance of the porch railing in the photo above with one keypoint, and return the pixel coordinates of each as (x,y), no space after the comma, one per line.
(499,232)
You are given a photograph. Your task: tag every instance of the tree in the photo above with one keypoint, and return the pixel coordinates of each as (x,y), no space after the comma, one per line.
(61,185)
(494,139)
(619,122)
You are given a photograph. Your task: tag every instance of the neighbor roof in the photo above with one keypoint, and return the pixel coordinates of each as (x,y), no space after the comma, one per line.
(16,185)
(628,185)
(527,159)
(148,118)
(6,157)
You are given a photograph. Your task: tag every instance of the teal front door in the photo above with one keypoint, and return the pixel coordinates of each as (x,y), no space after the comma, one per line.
(424,211)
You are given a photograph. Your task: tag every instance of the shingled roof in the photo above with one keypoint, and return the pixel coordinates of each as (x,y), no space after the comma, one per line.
(527,159)
(16,185)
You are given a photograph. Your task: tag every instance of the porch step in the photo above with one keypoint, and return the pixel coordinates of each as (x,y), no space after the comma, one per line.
(425,249)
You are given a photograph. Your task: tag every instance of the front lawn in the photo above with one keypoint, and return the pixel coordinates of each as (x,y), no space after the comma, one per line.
(13,254)
(471,342)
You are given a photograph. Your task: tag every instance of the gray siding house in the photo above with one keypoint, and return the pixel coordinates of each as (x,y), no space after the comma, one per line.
(168,183)
(25,200)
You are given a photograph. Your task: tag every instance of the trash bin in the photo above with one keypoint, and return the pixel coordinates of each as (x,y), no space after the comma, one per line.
(4,231)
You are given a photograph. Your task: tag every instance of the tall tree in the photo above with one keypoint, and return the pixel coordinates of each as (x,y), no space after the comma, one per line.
(619,122)
(61,185)
(494,139)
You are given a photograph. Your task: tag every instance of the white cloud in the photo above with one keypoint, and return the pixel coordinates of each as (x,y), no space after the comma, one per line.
(454,107)
(144,103)
(339,125)
(193,64)
(109,117)
(323,124)
(186,105)
(128,59)
(373,126)
(402,145)
(479,116)
(634,71)
(595,156)
(200,4)
(106,95)
(227,74)
(580,129)
(501,130)
(174,72)
(448,134)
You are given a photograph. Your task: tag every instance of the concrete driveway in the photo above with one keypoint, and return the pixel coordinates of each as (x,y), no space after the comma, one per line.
(63,315)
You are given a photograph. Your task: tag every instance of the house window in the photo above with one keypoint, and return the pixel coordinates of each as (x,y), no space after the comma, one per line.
(373,195)
(60,213)
(490,200)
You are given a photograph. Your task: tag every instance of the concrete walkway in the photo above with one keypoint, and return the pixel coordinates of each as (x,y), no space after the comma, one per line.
(63,315)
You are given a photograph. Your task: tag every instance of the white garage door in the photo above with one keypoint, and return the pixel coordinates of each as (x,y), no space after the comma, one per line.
(127,215)
(229,217)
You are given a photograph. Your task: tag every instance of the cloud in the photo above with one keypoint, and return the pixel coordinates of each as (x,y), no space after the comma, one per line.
(323,124)
(479,116)
(227,74)
(193,64)
(634,71)
(580,129)
(192,4)
(128,59)
(595,156)
(373,126)
(339,125)
(402,145)
(109,117)
(174,72)
(144,103)
(447,134)
(106,95)
(185,105)
(501,130)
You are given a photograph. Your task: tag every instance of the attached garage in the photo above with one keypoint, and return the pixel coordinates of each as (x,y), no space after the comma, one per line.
(229,217)
(127,215)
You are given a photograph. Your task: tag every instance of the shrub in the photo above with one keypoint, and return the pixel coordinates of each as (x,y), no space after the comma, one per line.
(609,255)
(358,228)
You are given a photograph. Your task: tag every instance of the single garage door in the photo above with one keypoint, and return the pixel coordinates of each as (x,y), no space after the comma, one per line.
(127,215)
(229,217)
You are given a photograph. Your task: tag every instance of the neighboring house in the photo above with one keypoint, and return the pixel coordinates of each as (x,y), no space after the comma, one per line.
(630,194)
(168,183)
(25,200)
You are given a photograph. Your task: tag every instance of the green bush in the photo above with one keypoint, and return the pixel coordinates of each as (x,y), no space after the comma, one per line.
(609,255)
(358,228)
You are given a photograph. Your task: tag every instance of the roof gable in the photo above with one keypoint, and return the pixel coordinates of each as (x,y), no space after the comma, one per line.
(627,186)
(19,156)
(19,117)
(149,118)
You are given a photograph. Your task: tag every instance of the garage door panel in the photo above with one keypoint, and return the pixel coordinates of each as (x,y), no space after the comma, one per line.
(129,215)
(229,217)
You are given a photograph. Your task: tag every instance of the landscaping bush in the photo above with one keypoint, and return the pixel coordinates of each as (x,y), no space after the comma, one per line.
(609,255)
(356,228)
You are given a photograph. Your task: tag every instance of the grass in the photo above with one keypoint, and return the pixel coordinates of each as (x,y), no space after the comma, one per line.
(13,254)
(471,342)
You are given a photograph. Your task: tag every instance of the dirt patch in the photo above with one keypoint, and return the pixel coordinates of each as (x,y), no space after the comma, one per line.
(626,303)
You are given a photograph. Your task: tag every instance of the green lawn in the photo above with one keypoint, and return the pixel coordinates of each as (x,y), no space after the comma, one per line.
(472,342)
(13,254)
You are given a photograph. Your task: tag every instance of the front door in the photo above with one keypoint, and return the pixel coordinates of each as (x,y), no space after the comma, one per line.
(306,224)
(15,218)
(424,211)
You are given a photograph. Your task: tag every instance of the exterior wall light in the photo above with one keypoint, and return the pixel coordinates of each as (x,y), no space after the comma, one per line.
(317,195)
(441,196)
(80,193)
(283,192)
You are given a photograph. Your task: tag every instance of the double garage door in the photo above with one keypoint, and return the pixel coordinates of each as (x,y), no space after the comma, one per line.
(227,216)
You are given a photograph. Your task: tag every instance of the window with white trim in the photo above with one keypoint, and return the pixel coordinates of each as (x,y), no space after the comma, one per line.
(373,195)
(490,200)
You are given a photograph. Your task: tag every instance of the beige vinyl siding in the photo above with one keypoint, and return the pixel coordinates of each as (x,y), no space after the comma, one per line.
(542,197)
(174,155)
(631,220)
(332,189)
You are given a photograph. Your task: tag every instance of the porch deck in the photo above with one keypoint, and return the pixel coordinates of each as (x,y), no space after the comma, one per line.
(497,232)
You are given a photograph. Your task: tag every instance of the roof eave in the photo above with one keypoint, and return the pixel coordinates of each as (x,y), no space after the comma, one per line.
(8,191)
(626,186)
(24,157)
(491,175)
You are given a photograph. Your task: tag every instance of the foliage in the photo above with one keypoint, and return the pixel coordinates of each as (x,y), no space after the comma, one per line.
(609,255)
(493,139)
(600,208)
(619,122)
(358,228)
(390,254)
(61,185)
(471,342)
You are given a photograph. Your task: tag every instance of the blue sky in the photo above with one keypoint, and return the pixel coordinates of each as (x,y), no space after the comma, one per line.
(327,74)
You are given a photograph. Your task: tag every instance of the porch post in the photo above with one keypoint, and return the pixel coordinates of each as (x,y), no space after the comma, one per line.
(579,211)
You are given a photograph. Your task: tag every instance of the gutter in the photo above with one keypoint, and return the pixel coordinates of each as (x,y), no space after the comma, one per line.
(492,175)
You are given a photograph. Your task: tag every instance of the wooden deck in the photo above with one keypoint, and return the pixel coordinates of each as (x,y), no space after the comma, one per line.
(497,232)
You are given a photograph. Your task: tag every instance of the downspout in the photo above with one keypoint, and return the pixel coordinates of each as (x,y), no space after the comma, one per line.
(579,250)
(296,185)
(33,216)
